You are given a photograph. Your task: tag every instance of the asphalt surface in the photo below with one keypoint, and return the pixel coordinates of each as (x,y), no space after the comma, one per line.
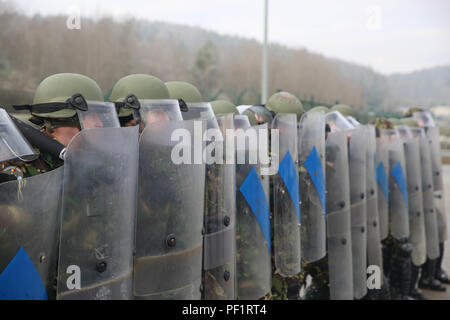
(432,295)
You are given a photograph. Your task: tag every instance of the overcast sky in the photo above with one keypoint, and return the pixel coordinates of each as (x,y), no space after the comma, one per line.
(387,35)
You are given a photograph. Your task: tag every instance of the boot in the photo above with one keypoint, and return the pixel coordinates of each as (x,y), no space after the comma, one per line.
(440,274)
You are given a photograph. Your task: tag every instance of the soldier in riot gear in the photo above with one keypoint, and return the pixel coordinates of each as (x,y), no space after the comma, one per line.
(357,154)
(61,110)
(63,124)
(219,220)
(426,122)
(285,204)
(417,236)
(395,228)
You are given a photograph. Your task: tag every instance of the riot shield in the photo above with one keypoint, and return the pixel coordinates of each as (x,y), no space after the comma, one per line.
(430,219)
(12,143)
(398,188)
(311,148)
(374,253)
(99,115)
(256,114)
(253,257)
(286,202)
(414,182)
(241,122)
(219,240)
(438,181)
(358,207)
(168,260)
(338,217)
(29,223)
(159,110)
(98,215)
(338,122)
(382,176)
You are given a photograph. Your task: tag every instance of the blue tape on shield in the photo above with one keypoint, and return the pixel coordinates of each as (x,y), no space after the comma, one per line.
(314,167)
(382,180)
(254,194)
(399,177)
(20,280)
(288,173)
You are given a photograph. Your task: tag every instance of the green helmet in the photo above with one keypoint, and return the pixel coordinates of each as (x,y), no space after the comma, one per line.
(143,86)
(345,110)
(382,123)
(410,122)
(285,102)
(411,111)
(185,91)
(223,107)
(62,86)
(395,121)
(319,108)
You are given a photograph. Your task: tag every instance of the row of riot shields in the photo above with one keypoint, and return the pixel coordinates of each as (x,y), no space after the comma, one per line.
(432,134)
(179,208)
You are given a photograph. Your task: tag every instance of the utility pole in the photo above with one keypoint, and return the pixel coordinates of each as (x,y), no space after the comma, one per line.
(264,80)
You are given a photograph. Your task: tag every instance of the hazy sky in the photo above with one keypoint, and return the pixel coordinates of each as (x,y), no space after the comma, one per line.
(387,35)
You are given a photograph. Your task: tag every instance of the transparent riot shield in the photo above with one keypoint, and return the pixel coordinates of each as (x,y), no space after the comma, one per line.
(253,245)
(219,241)
(159,110)
(311,148)
(241,122)
(338,122)
(398,188)
(338,218)
(374,253)
(430,219)
(438,181)
(414,182)
(98,215)
(168,260)
(286,202)
(99,115)
(358,206)
(256,114)
(382,176)
(29,223)
(12,143)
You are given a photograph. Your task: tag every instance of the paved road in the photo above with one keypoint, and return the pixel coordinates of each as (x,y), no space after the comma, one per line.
(446,263)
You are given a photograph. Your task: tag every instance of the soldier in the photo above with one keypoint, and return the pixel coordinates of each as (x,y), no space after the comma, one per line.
(417,236)
(357,158)
(61,110)
(432,132)
(312,136)
(285,207)
(219,224)
(396,248)
(374,254)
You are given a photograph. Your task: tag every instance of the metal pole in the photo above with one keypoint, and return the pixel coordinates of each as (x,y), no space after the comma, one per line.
(264,88)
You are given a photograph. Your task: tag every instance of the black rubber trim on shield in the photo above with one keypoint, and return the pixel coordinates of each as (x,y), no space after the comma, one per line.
(218,248)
